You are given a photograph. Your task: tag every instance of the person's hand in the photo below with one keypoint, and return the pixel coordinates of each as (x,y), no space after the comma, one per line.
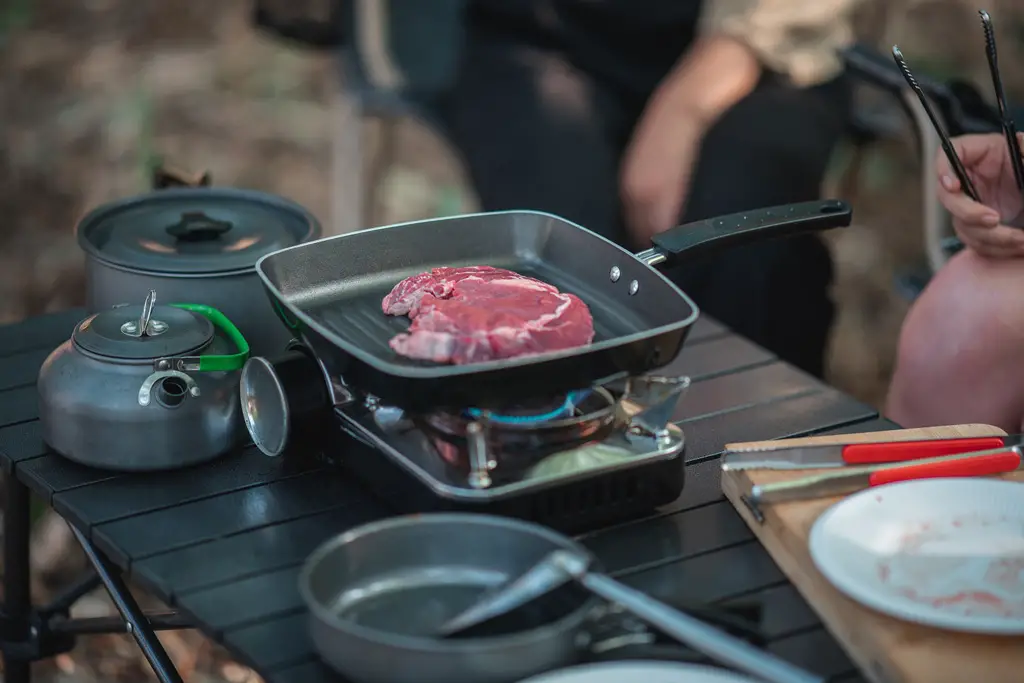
(986,226)
(656,170)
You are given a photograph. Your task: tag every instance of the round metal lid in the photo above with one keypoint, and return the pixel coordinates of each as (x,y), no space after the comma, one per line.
(264,406)
(193,231)
(171,332)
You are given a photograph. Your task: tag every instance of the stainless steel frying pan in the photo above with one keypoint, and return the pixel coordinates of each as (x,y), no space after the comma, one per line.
(329,292)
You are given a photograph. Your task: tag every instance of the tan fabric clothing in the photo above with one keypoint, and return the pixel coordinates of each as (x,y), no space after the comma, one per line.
(798,38)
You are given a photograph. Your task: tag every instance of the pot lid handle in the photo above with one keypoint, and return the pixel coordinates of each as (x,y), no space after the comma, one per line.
(196,226)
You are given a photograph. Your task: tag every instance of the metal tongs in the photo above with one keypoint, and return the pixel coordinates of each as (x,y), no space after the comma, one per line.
(562,566)
(947,145)
(1008,125)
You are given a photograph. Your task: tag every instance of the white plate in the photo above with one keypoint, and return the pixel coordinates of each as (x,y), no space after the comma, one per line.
(640,671)
(943,552)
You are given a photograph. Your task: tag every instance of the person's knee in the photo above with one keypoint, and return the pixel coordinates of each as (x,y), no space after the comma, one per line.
(961,346)
(972,307)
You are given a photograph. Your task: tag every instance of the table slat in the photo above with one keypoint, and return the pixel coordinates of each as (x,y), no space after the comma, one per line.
(40,332)
(249,553)
(130,495)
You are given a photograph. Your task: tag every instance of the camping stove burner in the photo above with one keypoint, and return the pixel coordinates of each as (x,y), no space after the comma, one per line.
(577,412)
(486,444)
(564,407)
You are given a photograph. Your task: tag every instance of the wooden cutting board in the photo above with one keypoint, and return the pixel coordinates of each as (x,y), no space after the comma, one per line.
(886,650)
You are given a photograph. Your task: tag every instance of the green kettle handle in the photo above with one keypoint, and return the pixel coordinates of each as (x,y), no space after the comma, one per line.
(216,362)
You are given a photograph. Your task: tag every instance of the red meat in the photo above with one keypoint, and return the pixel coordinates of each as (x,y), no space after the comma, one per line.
(479,313)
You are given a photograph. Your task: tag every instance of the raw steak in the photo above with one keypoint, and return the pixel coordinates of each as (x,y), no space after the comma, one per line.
(479,313)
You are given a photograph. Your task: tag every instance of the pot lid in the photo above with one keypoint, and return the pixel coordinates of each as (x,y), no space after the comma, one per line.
(193,231)
(169,331)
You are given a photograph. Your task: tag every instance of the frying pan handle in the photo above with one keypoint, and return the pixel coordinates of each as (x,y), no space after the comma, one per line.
(750,226)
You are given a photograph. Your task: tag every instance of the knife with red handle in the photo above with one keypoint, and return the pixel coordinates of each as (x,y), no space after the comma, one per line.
(822,456)
(901,451)
(974,466)
(849,479)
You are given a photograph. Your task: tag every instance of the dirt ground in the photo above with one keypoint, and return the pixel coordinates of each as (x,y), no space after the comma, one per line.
(94,91)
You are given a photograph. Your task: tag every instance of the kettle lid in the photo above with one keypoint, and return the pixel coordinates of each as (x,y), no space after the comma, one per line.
(139,332)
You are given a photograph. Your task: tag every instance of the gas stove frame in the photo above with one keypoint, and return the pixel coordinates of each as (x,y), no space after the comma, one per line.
(410,447)
(587,500)
(629,471)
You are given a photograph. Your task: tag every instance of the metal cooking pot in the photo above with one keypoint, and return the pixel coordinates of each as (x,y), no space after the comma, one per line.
(197,244)
(376,593)
(144,387)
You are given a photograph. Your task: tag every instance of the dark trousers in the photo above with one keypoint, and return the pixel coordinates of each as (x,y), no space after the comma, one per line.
(536,132)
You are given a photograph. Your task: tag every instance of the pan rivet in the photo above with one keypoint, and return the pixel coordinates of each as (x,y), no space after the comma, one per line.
(634,287)
(615,274)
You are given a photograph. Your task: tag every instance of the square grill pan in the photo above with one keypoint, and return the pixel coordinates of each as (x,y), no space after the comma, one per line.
(330,292)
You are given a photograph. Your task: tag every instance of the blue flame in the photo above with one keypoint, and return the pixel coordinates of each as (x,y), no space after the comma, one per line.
(568,407)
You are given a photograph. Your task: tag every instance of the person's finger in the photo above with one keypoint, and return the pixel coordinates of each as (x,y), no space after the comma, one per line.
(998,254)
(976,153)
(999,238)
(972,149)
(964,208)
(986,249)
(943,168)
(995,252)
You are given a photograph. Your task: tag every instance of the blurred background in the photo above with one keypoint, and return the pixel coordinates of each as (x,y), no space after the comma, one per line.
(94,94)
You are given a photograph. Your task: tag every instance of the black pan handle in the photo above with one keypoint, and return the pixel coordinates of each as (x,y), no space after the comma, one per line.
(736,229)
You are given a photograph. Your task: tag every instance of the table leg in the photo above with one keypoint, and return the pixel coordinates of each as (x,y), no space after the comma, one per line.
(135,620)
(62,603)
(17,582)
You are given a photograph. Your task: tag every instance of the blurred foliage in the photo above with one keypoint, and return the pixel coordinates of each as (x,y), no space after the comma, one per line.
(15,15)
